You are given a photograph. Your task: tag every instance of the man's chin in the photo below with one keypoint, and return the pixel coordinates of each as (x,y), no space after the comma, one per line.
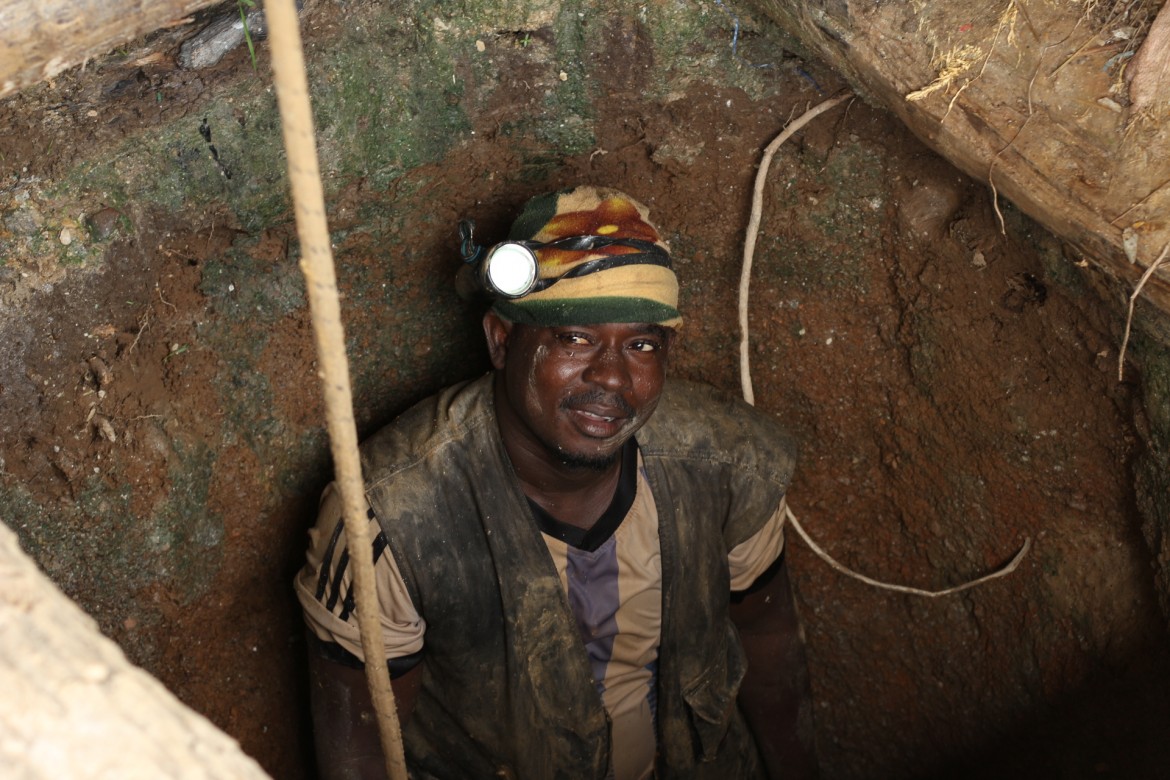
(591,462)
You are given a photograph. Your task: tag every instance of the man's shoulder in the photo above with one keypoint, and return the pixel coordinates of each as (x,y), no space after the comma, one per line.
(451,418)
(683,396)
(697,421)
(708,407)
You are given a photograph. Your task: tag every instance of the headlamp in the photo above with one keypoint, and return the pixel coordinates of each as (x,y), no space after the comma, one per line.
(511,270)
(508,270)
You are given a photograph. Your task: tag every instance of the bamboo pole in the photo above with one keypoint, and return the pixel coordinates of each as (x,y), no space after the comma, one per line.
(292,92)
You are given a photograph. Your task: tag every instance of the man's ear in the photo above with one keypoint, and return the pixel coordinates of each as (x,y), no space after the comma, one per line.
(496,330)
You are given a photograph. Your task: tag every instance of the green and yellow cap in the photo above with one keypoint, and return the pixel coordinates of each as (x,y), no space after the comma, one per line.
(635,291)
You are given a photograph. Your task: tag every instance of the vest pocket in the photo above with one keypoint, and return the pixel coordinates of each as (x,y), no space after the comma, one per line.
(710,701)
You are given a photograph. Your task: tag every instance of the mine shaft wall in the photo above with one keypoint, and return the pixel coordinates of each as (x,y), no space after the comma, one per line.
(975,83)
(953,386)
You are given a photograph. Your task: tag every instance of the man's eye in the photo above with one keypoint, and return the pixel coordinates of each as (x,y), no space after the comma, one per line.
(645,346)
(573,340)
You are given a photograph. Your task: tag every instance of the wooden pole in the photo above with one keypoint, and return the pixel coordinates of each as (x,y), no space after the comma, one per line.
(73,706)
(41,38)
(292,92)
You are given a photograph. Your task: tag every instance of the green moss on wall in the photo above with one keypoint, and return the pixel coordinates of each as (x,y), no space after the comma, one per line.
(97,549)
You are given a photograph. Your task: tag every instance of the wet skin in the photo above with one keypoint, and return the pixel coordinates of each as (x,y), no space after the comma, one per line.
(567,399)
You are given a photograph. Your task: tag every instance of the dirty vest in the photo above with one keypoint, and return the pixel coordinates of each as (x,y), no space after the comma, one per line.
(507,689)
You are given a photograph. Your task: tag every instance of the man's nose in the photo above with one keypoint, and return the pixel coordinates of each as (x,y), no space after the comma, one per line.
(608,369)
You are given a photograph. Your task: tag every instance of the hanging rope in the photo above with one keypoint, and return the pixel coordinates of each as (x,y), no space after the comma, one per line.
(292,93)
(745,376)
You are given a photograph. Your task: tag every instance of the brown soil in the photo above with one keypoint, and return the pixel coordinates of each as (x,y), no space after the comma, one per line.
(952,386)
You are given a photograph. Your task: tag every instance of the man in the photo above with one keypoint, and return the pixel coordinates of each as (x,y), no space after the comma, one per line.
(562,546)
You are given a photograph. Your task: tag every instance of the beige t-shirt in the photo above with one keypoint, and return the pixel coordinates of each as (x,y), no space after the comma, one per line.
(614,592)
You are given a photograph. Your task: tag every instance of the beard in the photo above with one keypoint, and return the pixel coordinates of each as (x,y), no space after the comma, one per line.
(588,462)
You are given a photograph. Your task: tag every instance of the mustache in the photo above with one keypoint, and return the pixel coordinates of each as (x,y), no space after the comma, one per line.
(598,397)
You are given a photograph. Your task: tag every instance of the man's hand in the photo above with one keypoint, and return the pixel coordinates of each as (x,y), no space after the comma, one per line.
(775,697)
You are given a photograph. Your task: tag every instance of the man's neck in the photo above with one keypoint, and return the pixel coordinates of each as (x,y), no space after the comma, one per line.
(581,504)
(577,495)
(574,494)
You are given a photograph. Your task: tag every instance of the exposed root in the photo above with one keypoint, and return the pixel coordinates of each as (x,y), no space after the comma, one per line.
(745,377)
(143,321)
(1138,12)
(1149,195)
(158,290)
(991,171)
(753,230)
(1150,68)
(1011,566)
(1132,300)
(995,198)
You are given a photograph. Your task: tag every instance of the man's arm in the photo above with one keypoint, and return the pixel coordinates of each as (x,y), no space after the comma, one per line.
(344,725)
(775,697)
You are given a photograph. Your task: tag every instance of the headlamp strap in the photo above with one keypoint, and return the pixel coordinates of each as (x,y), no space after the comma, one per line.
(649,253)
(588,243)
(470,251)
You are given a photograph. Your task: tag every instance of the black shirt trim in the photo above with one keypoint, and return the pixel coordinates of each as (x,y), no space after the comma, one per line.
(331,651)
(605,527)
(761,582)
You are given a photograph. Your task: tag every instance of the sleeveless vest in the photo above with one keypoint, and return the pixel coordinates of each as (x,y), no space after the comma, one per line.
(507,688)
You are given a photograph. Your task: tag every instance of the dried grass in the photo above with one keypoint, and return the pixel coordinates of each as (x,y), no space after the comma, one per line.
(959,59)
(950,66)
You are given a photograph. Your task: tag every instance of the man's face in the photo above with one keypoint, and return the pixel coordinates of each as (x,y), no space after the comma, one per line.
(577,393)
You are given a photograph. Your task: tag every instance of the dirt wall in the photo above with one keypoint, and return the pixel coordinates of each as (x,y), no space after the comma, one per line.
(954,387)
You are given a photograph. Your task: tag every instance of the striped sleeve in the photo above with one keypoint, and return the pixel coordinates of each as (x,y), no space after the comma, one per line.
(324,587)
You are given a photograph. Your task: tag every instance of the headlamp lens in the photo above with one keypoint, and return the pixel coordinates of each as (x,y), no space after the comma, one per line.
(510,269)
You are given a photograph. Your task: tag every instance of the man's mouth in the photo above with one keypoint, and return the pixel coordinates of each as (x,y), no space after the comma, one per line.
(603,417)
(598,426)
(599,414)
